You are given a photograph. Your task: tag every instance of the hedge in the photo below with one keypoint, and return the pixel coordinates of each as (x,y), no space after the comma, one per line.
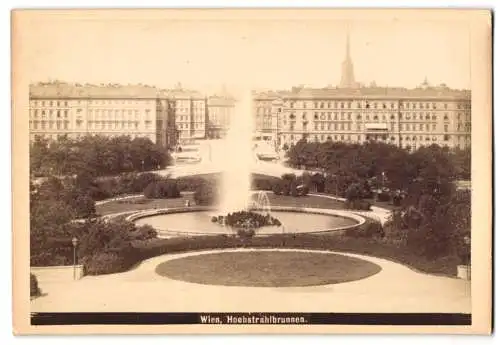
(357,204)
(162,189)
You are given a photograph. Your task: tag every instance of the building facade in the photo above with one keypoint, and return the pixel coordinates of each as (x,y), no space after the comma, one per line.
(406,118)
(190,109)
(351,112)
(68,110)
(220,111)
(167,117)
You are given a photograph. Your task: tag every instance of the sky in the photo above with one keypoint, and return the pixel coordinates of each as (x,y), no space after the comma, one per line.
(273,52)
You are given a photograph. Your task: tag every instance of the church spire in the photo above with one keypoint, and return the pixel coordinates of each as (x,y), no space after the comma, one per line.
(348,47)
(347,79)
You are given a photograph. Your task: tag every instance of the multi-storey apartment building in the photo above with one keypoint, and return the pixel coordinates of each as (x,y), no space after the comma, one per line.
(58,109)
(221,108)
(408,118)
(164,116)
(190,108)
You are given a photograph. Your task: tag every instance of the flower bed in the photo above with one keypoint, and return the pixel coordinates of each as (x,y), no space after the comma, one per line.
(246,219)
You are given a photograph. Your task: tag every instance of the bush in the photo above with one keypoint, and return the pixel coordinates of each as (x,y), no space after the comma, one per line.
(370,229)
(205,195)
(318,181)
(354,192)
(192,183)
(293,189)
(357,204)
(142,181)
(263,182)
(383,197)
(163,189)
(277,190)
(144,233)
(105,263)
(34,288)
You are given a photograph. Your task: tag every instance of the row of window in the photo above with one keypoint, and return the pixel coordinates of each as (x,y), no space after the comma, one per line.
(359,138)
(377,105)
(117,113)
(59,103)
(55,136)
(49,124)
(422,127)
(198,118)
(348,116)
(188,125)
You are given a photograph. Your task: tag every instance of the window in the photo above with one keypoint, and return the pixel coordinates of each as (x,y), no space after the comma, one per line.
(446,128)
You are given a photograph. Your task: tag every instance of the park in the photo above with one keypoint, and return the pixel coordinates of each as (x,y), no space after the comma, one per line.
(335,227)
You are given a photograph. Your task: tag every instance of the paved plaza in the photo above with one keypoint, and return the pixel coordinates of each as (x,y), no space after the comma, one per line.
(396,288)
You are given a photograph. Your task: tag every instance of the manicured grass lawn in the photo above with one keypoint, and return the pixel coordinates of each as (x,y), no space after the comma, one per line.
(304,201)
(267,269)
(140,203)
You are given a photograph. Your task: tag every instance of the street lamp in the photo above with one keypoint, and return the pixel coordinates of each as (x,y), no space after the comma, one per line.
(142,163)
(74,241)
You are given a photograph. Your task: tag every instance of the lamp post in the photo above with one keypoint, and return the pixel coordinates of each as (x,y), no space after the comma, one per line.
(142,163)
(74,241)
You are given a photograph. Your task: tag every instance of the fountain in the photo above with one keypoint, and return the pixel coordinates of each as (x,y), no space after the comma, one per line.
(261,203)
(238,209)
(238,158)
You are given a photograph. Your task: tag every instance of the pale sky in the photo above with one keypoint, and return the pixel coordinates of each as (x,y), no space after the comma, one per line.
(264,53)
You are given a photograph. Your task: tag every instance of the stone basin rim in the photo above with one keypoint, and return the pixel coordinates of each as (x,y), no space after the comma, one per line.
(307,210)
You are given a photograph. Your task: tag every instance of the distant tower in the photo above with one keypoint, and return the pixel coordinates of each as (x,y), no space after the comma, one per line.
(347,80)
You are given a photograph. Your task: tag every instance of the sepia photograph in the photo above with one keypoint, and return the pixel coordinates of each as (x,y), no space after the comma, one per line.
(239,170)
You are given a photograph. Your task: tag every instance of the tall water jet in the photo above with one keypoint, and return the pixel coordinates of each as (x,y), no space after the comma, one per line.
(238,158)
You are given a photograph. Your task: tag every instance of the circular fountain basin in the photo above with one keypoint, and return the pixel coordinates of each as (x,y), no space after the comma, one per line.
(197,221)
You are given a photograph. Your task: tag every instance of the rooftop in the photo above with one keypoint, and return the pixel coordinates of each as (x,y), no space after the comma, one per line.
(140,91)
